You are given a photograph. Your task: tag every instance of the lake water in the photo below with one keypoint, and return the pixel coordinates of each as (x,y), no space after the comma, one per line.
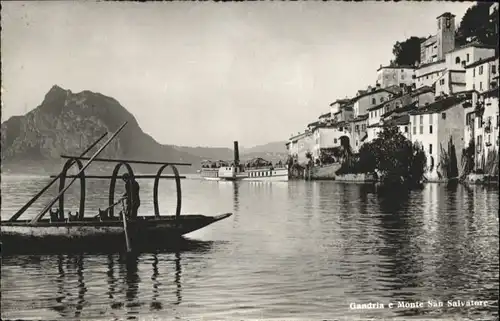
(296,250)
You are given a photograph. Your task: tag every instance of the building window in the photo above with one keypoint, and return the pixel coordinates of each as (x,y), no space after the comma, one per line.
(468,119)
(335,140)
(430,129)
(374,101)
(467,58)
(473,86)
(430,148)
(421,119)
(414,130)
(381,99)
(457,60)
(480,85)
(356,143)
(494,69)
(480,121)
(479,142)
(443,115)
(427,77)
(421,129)
(498,121)
(481,70)
(406,129)
(441,81)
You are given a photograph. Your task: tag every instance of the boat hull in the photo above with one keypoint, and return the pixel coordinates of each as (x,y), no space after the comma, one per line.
(144,233)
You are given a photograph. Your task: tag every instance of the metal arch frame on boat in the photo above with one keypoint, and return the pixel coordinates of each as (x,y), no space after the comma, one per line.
(71,160)
(115,175)
(62,182)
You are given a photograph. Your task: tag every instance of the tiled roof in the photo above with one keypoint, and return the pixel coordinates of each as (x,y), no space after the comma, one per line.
(404,109)
(396,67)
(475,44)
(431,63)
(377,90)
(325,115)
(394,89)
(360,118)
(399,121)
(481,61)
(439,106)
(341,101)
(313,124)
(422,90)
(334,125)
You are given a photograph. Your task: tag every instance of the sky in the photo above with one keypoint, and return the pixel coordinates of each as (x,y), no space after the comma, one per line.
(207,73)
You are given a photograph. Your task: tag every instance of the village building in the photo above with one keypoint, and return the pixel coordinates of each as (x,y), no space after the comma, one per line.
(372,97)
(358,132)
(434,127)
(451,82)
(423,96)
(336,105)
(299,145)
(327,137)
(482,75)
(388,76)
(481,128)
(375,114)
(434,48)
(441,62)
(452,67)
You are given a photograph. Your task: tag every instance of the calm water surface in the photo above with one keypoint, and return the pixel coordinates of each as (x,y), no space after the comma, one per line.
(297,250)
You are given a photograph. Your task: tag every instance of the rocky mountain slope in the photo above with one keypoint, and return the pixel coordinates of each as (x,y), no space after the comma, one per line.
(66,123)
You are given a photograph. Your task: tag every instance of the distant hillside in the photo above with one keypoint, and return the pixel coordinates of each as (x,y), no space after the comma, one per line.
(274,148)
(210,153)
(66,123)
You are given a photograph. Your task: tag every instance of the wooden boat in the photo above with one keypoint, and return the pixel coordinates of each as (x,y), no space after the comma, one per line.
(104,230)
(236,172)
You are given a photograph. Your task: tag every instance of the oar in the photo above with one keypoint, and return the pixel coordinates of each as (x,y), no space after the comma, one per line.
(125,229)
(42,213)
(33,200)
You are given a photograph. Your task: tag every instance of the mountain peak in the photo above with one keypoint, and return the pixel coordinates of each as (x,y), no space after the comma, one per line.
(66,123)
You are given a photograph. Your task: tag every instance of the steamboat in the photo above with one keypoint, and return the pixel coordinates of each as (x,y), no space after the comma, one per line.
(255,170)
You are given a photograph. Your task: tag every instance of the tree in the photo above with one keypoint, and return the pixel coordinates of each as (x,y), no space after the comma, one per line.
(477,26)
(407,52)
(393,156)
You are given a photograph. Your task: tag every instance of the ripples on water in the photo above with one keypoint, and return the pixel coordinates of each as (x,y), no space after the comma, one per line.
(291,250)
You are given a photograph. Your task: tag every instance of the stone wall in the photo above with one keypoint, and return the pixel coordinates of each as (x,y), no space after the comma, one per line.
(355,178)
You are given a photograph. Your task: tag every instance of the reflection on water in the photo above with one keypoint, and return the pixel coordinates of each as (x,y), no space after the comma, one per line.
(294,250)
(76,283)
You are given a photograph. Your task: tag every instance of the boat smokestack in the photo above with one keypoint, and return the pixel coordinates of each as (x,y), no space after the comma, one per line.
(236,154)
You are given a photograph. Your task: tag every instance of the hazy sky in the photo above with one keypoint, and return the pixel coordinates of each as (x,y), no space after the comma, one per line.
(205,74)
